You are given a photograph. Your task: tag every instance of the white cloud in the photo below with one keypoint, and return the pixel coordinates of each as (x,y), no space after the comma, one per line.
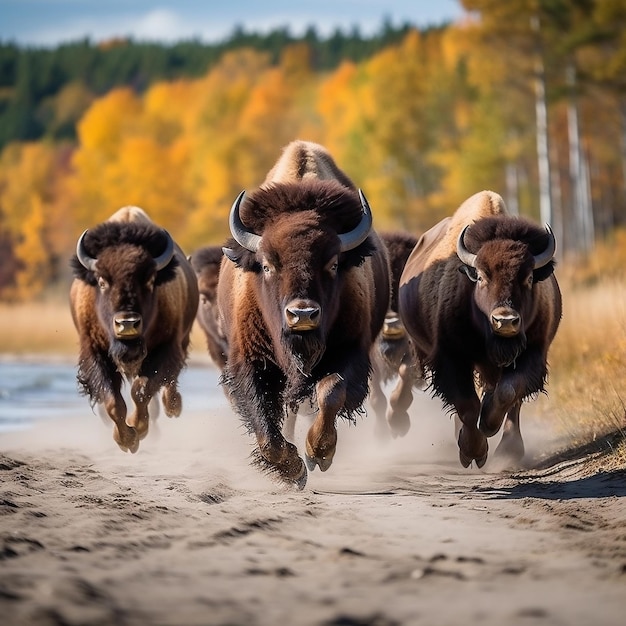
(210,22)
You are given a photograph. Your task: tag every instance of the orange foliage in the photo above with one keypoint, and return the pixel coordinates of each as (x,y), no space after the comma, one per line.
(419,126)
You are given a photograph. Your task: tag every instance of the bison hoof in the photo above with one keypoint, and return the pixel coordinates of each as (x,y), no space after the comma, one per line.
(466,461)
(300,483)
(126,438)
(172,403)
(473,446)
(322,462)
(400,424)
(482,460)
(297,478)
(131,447)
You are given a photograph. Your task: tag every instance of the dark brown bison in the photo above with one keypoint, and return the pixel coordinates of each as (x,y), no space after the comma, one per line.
(133,300)
(302,295)
(392,355)
(478,295)
(206,263)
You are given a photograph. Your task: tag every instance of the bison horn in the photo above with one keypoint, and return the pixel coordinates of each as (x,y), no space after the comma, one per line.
(463,253)
(166,256)
(240,233)
(546,256)
(86,261)
(358,235)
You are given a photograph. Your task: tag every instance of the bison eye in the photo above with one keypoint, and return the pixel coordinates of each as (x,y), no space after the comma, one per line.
(529,281)
(332,266)
(481,279)
(102,283)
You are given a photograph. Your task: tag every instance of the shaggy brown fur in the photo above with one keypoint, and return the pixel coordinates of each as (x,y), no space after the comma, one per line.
(206,263)
(270,366)
(449,315)
(162,305)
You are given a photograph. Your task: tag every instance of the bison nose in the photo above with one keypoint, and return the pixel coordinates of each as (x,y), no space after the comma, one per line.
(303,315)
(393,327)
(127,325)
(505,322)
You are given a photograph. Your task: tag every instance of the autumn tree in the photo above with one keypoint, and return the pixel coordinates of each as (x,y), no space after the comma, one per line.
(27,182)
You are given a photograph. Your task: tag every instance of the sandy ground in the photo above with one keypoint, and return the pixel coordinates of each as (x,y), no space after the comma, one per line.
(186,532)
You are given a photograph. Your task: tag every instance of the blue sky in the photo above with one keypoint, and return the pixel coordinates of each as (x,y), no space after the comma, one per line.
(49,22)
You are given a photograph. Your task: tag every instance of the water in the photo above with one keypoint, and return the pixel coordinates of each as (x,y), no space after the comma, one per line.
(31,392)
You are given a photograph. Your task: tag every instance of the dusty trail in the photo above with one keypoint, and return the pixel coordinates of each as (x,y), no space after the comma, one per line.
(186,532)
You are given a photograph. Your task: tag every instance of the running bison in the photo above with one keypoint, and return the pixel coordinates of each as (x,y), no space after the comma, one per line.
(392,355)
(206,263)
(133,300)
(302,295)
(478,295)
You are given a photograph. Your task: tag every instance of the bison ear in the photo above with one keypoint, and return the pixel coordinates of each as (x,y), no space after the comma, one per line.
(544,272)
(470,272)
(82,273)
(241,257)
(229,253)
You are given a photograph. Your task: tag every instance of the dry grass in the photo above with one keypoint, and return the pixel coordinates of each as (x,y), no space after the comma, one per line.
(45,329)
(587,386)
(40,328)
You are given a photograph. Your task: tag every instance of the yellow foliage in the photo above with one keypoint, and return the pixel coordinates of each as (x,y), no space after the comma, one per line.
(27,194)
(108,120)
(143,175)
(32,251)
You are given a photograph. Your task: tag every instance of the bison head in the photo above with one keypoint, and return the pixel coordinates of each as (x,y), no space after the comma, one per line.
(206,264)
(300,241)
(125,263)
(511,256)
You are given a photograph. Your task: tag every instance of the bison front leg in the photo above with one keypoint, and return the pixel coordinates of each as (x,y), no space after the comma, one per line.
(378,400)
(101,380)
(400,401)
(124,435)
(510,450)
(343,392)
(494,405)
(472,443)
(454,382)
(255,392)
(518,381)
(321,440)
(142,392)
(160,369)
(172,400)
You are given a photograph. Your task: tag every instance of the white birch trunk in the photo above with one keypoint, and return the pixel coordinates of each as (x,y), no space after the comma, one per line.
(541,112)
(579,173)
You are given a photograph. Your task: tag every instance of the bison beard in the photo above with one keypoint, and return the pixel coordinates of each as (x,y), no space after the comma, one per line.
(305,351)
(503,351)
(305,348)
(128,355)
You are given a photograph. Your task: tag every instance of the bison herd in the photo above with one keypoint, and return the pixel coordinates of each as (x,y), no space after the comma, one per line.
(307,303)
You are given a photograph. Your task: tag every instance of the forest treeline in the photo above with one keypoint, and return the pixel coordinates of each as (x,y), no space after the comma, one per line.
(527,98)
